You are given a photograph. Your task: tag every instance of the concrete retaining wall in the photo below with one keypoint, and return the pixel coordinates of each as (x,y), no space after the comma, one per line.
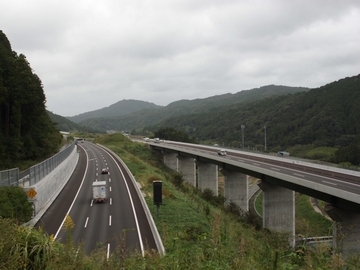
(50,186)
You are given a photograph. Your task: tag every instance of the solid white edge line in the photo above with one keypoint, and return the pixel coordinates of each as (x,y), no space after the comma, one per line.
(77,193)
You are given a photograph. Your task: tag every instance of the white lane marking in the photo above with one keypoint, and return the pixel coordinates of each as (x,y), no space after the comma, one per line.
(108,173)
(326,182)
(108,251)
(97,174)
(92,201)
(275,169)
(86,222)
(109,180)
(77,193)
(110,201)
(110,220)
(301,175)
(110,188)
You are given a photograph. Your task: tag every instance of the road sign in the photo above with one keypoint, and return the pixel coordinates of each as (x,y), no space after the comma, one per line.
(31,193)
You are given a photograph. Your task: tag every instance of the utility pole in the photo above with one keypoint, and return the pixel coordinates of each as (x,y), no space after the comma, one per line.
(242,129)
(265,136)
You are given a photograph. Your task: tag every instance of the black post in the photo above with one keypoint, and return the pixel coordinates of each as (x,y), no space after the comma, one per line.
(157,194)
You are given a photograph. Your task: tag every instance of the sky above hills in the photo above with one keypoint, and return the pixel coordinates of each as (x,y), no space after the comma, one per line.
(91,54)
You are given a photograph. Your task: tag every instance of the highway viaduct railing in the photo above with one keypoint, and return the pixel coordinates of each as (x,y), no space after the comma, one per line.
(278,181)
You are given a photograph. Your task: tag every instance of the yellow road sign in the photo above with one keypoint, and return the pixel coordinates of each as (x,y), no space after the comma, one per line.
(31,193)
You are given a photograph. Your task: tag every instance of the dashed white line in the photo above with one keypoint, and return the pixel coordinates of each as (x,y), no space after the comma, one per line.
(91,204)
(110,220)
(110,188)
(110,201)
(326,182)
(109,180)
(108,251)
(86,222)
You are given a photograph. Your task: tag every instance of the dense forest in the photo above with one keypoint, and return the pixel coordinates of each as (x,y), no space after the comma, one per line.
(26,130)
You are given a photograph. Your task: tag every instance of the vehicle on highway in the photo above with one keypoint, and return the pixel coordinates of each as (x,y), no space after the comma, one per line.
(104,171)
(157,140)
(222,152)
(146,139)
(99,191)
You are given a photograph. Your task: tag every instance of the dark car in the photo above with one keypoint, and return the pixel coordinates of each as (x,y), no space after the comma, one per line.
(104,171)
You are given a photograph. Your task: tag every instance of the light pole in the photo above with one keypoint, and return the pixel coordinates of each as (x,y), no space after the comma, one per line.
(265,136)
(242,129)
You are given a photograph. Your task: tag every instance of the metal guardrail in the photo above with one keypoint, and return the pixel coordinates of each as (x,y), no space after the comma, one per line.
(12,177)
(39,171)
(9,177)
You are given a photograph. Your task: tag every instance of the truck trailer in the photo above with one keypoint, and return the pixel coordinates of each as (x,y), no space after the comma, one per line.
(99,191)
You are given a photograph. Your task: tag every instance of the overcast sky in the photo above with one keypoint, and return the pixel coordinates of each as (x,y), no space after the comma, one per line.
(90,54)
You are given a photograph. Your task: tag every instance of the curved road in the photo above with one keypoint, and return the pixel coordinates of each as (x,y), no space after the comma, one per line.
(121,221)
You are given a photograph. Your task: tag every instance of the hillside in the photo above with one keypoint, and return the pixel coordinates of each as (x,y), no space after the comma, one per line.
(325,116)
(152,116)
(123,107)
(64,124)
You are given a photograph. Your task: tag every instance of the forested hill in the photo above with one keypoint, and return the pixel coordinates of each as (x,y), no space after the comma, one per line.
(122,107)
(152,116)
(325,116)
(26,130)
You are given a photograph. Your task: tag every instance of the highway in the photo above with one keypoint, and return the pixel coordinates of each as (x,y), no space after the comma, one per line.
(118,222)
(326,182)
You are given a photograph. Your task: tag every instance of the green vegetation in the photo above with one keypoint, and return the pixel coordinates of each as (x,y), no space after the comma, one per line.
(64,124)
(149,119)
(26,131)
(173,135)
(14,204)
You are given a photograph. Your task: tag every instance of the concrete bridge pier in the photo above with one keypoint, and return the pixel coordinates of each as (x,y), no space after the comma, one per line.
(346,230)
(236,188)
(170,160)
(208,177)
(187,168)
(279,209)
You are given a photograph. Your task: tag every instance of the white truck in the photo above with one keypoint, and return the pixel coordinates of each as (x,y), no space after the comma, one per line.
(99,191)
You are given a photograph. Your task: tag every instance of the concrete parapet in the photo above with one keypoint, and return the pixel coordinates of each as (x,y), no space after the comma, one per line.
(236,188)
(43,193)
(187,168)
(208,177)
(170,160)
(346,230)
(279,209)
